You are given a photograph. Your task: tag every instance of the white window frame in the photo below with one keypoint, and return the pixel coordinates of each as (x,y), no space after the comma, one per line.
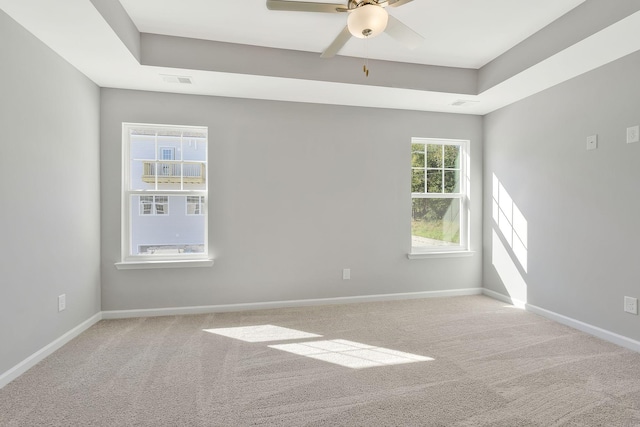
(462,195)
(129,260)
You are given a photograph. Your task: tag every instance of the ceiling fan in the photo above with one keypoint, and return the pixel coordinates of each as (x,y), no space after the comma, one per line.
(367,18)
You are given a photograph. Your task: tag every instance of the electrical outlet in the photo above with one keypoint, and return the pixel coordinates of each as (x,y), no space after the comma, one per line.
(346,274)
(633,134)
(62,302)
(592,142)
(631,305)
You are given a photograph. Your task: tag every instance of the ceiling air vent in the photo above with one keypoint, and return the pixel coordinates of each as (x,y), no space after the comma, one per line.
(185,80)
(461,102)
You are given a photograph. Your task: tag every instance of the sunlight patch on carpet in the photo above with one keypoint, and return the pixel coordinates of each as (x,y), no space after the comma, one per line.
(350,354)
(262,333)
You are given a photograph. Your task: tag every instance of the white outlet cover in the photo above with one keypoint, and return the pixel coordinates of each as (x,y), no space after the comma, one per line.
(346,274)
(62,302)
(633,134)
(631,305)
(592,142)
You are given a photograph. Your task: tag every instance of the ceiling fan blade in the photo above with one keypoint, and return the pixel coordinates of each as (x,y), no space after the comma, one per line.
(302,6)
(403,34)
(397,3)
(337,44)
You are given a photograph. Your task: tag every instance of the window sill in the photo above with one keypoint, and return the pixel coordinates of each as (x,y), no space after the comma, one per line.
(139,265)
(452,254)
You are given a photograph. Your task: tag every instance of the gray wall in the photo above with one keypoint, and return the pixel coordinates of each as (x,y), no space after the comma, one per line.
(297,193)
(581,207)
(49,184)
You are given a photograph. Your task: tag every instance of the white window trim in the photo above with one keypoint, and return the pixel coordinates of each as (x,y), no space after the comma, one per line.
(129,261)
(143,265)
(451,254)
(463,249)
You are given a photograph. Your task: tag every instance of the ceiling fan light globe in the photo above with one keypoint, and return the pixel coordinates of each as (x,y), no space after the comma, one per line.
(367,21)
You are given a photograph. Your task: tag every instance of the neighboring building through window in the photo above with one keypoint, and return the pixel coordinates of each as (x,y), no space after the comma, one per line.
(154,205)
(439,186)
(167,153)
(164,192)
(194,205)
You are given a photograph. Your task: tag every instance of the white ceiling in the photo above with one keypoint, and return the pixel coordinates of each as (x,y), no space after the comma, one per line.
(458,33)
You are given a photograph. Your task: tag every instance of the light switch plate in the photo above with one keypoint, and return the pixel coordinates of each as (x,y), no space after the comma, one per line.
(592,142)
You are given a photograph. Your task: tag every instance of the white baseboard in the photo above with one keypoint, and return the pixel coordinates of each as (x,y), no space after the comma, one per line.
(503,298)
(35,358)
(568,321)
(173,311)
(585,327)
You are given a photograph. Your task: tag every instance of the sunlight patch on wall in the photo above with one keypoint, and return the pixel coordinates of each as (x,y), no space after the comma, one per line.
(351,354)
(508,272)
(262,333)
(511,222)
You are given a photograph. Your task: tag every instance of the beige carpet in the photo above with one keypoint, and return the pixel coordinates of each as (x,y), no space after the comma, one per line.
(492,365)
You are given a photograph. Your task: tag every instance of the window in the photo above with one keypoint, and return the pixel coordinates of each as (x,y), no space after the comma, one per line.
(154,205)
(164,193)
(439,185)
(167,153)
(194,205)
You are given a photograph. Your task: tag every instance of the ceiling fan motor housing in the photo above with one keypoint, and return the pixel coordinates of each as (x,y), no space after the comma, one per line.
(367,20)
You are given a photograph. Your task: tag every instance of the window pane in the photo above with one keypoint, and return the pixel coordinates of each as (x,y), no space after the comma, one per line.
(434,156)
(417,158)
(171,232)
(194,149)
(194,152)
(435,222)
(194,175)
(452,156)
(141,163)
(169,148)
(434,181)
(169,174)
(451,181)
(167,153)
(162,205)
(417,181)
(146,205)
(168,166)
(194,205)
